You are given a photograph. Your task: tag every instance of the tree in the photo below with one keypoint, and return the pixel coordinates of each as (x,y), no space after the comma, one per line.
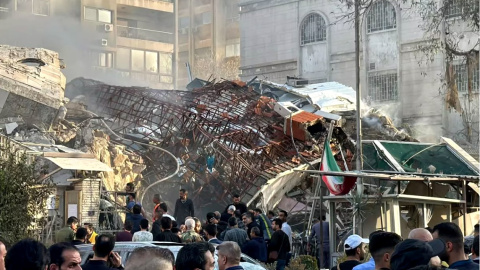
(22,196)
(207,66)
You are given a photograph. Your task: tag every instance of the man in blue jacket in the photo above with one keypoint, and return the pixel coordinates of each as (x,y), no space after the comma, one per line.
(264,223)
(256,248)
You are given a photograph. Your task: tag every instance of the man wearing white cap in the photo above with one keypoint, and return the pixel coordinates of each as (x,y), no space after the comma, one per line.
(355,250)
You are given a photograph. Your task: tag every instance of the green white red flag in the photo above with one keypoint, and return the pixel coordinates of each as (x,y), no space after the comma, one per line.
(337,185)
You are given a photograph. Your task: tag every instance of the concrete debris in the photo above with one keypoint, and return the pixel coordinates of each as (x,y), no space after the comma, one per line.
(31,84)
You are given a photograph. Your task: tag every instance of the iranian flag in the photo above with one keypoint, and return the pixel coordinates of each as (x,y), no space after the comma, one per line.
(337,185)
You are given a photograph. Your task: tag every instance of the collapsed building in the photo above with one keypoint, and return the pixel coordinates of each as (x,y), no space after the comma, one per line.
(259,139)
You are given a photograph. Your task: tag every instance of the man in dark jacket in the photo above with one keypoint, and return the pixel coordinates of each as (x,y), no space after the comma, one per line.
(183,207)
(249,222)
(239,205)
(264,223)
(157,225)
(135,218)
(279,246)
(256,248)
(167,235)
(103,254)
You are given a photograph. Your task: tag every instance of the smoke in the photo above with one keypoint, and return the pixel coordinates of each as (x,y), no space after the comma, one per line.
(65,35)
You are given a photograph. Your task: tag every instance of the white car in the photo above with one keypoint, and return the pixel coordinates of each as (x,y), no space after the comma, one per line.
(124,249)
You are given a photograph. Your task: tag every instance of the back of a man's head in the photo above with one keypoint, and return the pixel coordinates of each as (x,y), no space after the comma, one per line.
(190,224)
(383,242)
(104,245)
(128,225)
(231,250)
(164,207)
(137,209)
(475,246)
(420,234)
(194,256)
(57,252)
(211,229)
(232,221)
(144,224)
(27,254)
(147,258)
(166,223)
(449,232)
(81,233)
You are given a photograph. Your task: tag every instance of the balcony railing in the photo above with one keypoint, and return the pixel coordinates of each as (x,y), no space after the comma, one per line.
(144,34)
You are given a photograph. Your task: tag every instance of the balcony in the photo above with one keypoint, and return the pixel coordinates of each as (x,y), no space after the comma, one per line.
(144,34)
(144,39)
(159,5)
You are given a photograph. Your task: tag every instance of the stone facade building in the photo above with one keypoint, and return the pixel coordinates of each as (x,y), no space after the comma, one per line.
(308,39)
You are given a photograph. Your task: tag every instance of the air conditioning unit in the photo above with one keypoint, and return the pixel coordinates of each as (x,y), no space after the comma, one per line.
(371,66)
(104,42)
(108,27)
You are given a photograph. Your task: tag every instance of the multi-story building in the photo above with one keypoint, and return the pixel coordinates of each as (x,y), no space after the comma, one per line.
(208,39)
(281,38)
(118,41)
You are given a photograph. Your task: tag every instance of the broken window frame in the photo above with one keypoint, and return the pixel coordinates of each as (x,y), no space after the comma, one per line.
(381,16)
(97,14)
(385,88)
(313,29)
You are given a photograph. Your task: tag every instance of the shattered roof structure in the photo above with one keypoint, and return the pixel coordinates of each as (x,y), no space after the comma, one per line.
(225,135)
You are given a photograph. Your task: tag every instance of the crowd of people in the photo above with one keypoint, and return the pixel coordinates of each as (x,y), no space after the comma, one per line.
(264,237)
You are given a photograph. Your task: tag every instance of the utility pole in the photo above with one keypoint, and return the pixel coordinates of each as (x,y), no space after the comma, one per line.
(359,152)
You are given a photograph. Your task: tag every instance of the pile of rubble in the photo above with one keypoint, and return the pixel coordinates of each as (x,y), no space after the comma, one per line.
(228,137)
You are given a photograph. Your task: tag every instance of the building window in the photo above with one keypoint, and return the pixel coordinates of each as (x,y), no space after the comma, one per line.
(207,17)
(313,29)
(41,7)
(381,16)
(165,63)
(461,78)
(151,62)
(102,59)
(98,15)
(457,8)
(184,22)
(382,87)
(232,50)
(138,60)
(123,58)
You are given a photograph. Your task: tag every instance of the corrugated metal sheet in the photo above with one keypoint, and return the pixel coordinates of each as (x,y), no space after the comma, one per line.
(326,95)
(80,164)
(305,117)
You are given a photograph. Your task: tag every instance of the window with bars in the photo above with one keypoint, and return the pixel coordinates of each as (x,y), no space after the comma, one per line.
(461,78)
(313,29)
(382,87)
(381,16)
(457,8)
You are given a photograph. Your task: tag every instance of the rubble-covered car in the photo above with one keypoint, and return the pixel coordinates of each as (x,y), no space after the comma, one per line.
(124,249)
